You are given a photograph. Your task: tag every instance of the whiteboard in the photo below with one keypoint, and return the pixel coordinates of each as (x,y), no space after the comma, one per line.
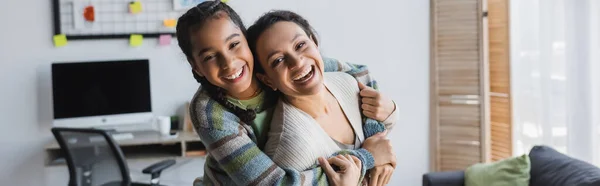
(112,18)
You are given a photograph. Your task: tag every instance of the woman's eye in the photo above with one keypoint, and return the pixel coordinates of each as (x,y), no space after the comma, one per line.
(300,45)
(209,57)
(277,61)
(234,44)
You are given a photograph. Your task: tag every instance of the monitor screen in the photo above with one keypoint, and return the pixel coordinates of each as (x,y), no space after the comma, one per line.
(100,88)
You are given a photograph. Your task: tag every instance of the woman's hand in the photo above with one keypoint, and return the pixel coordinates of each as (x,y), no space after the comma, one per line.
(349,173)
(380,175)
(374,104)
(381,149)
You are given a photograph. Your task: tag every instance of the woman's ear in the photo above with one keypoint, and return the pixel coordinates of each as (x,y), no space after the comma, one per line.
(266,80)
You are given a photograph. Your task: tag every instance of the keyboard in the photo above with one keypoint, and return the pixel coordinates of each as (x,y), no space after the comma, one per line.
(122,136)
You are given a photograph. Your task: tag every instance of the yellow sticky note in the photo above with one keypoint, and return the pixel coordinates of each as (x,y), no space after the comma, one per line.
(136,40)
(225,1)
(135,7)
(170,23)
(60,40)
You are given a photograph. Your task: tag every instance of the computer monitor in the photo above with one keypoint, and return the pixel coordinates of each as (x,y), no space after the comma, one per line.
(100,94)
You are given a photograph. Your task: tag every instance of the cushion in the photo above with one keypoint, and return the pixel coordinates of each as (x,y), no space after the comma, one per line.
(508,172)
(446,178)
(552,168)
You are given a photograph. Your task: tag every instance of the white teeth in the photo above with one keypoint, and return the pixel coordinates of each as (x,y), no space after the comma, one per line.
(236,75)
(303,74)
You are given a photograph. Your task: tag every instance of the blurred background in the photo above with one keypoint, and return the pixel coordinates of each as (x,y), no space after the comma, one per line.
(475,81)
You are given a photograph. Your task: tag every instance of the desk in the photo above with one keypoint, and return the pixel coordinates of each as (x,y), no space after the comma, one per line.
(144,144)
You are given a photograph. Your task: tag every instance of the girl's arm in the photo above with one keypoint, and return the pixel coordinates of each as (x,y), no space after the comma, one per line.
(228,142)
(359,72)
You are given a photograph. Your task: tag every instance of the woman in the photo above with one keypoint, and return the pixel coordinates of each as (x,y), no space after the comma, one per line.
(230,110)
(319,113)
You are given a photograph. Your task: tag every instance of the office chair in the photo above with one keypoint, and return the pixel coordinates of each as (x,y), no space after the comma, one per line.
(94,159)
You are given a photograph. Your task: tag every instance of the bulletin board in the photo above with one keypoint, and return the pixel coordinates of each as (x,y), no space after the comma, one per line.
(114,19)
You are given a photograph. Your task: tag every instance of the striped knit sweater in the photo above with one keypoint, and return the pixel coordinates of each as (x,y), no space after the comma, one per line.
(235,159)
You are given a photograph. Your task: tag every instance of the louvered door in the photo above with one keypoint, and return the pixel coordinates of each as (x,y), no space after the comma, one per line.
(458,89)
(501,125)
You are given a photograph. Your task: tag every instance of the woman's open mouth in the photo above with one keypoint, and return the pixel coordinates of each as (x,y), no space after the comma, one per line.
(305,75)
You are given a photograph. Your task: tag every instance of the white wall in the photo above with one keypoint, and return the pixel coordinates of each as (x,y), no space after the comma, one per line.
(391,36)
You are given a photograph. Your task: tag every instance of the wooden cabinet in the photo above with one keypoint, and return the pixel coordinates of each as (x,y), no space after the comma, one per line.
(470,115)
(458,85)
(500,100)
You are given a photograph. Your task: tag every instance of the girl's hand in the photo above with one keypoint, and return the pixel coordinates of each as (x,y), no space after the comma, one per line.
(381,149)
(380,175)
(374,104)
(349,173)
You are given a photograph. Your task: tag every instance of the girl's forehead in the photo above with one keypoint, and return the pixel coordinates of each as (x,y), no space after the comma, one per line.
(215,31)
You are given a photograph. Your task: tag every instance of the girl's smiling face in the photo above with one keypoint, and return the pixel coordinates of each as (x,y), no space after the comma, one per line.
(221,55)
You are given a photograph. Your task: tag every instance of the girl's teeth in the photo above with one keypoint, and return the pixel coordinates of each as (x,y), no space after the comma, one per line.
(236,75)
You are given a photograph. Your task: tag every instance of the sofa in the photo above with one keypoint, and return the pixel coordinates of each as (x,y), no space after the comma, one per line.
(548,168)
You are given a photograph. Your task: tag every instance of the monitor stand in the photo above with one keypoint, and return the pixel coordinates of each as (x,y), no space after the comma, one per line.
(121,128)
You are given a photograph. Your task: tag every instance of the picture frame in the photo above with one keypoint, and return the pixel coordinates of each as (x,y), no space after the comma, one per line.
(110,14)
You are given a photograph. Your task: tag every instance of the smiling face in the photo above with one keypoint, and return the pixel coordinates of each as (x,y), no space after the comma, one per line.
(291,60)
(221,55)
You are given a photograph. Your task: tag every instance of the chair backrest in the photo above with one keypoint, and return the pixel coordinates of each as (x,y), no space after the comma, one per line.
(92,156)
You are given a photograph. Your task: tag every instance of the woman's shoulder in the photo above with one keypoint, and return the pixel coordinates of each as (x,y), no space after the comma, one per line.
(207,113)
(340,83)
(339,78)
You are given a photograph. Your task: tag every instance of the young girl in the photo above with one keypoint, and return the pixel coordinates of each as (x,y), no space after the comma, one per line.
(319,113)
(230,111)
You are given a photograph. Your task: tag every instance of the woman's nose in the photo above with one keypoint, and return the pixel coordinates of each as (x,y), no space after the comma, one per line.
(295,62)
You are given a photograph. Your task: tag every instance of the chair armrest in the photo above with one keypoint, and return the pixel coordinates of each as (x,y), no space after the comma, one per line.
(158,167)
(449,178)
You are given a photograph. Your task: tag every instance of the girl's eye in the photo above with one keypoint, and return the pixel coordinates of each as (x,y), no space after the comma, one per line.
(300,45)
(234,44)
(276,61)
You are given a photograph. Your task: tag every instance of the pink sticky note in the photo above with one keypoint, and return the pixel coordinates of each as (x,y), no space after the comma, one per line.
(164,40)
